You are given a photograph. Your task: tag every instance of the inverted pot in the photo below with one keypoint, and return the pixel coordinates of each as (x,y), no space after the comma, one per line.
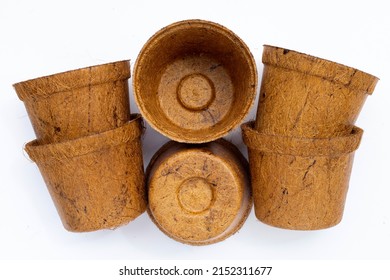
(306,96)
(77,103)
(199,194)
(96,182)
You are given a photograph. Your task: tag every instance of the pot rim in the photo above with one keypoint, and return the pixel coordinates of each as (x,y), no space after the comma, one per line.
(85,145)
(332,71)
(46,86)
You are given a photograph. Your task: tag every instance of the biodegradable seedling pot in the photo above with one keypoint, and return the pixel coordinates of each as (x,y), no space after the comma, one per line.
(77,103)
(199,194)
(194,81)
(306,96)
(300,183)
(97,181)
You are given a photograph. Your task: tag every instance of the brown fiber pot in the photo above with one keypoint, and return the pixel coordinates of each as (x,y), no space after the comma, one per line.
(306,96)
(194,81)
(77,103)
(300,183)
(96,182)
(199,194)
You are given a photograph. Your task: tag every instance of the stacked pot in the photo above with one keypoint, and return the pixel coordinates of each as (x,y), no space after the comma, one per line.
(194,81)
(302,143)
(88,145)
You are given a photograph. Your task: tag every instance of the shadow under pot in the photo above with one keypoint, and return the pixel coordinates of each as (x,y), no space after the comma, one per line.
(97,181)
(194,81)
(199,194)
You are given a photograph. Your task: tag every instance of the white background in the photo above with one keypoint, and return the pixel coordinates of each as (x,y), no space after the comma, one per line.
(44,37)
